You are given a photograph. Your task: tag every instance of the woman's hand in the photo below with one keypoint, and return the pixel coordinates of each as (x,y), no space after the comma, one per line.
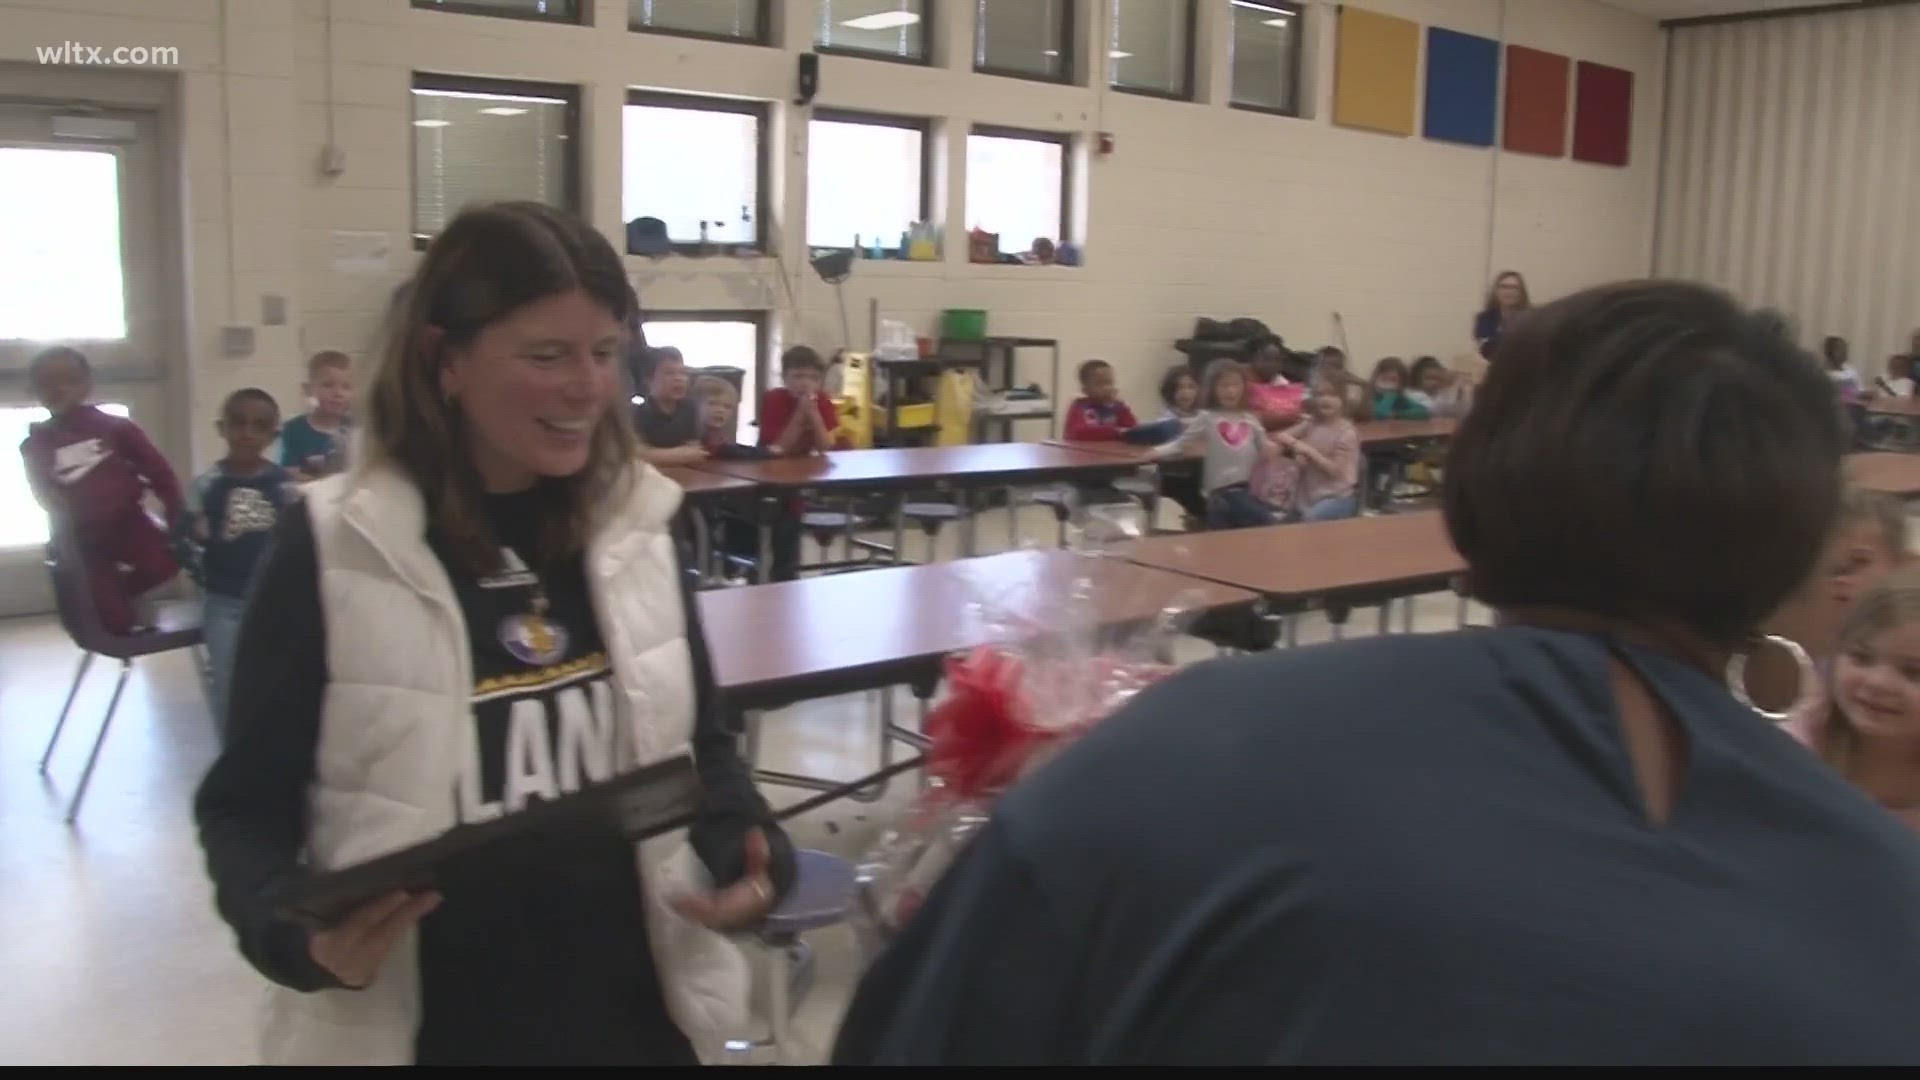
(742,903)
(353,951)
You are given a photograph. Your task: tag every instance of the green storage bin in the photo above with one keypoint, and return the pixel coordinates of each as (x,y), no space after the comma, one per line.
(963,324)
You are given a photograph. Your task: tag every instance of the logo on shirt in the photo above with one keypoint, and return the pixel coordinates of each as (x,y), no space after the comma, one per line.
(554,740)
(1234,432)
(248,511)
(533,638)
(72,462)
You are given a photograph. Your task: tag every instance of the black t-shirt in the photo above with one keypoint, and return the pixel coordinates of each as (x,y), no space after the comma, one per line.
(665,430)
(567,976)
(540,956)
(1412,849)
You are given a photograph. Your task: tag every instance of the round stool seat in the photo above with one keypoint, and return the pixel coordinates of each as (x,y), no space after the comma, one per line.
(822,894)
(931,511)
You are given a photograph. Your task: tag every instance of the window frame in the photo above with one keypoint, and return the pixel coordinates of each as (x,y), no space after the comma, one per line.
(581,9)
(762,321)
(1064,139)
(1068,49)
(1298,11)
(1188,88)
(763,37)
(763,156)
(929,24)
(473,84)
(921,124)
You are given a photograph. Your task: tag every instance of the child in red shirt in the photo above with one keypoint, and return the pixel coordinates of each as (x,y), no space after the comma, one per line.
(797,418)
(1098,414)
(91,472)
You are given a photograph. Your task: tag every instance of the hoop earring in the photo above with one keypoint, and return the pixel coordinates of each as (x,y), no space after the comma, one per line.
(1803,694)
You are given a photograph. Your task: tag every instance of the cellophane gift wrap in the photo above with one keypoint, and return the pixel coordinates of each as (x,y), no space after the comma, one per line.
(1055,669)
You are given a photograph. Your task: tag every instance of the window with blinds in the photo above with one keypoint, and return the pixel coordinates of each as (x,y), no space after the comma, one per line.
(544,10)
(724,20)
(479,141)
(1264,54)
(884,29)
(1027,39)
(1150,49)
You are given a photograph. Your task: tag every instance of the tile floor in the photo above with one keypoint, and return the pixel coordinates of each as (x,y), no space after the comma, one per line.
(112,948)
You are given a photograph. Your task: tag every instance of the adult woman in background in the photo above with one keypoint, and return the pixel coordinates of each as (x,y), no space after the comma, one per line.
(487,612)
(1507,300)
(1561,840)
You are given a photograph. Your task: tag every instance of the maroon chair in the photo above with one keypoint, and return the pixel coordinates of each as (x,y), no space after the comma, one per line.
(178,628)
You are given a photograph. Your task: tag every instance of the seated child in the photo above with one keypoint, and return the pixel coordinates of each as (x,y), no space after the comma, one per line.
(1270,394)
(1442,392)
(667,423)
(797,418)
(719,405)
(1326,448)
(1180,393)
(1898,381)
(1233,444)
(91,471)
(315,444)
(1846,381)
(1390,398)
(1098,414)
(230,517)
(1869,541)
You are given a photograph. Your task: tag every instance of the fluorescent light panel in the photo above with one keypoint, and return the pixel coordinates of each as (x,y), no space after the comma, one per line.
(883,20)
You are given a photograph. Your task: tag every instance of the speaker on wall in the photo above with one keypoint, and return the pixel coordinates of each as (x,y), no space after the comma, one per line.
(809,83)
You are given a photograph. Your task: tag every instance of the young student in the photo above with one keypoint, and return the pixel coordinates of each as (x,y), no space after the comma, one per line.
(668,424)
(719,405)
(1898,381)
(1355,395)
(1868,542)
(797,418)
(1869,729)
(231,513)
(1180,394)
(1276,399)
(91,471)
(1846,381)
(1326,447)
(315,444)
(1098,414)
(1233,444)
(1390,400)
(1443,393)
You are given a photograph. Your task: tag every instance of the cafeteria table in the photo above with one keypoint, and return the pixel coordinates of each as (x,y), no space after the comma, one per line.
(1336,565)
(774,645)
(704,491)
(1887,473)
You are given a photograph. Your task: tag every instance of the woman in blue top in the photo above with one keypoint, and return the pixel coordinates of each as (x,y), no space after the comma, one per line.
(1561,840)
(1507,300)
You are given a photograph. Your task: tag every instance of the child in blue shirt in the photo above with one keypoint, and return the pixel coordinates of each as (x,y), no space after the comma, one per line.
(315,444)
(232,509)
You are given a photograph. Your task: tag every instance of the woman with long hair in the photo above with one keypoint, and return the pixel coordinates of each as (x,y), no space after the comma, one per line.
(1507,300)
(489,610)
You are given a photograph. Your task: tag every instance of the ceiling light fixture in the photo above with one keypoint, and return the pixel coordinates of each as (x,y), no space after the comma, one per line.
(432,123)
(883,20)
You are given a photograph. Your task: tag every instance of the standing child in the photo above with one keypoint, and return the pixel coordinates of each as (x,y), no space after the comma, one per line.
(1327,448)
(797,418)
(91,472)
(1233,444)
(1870,728)
(1271,396)
(315,444)
(667,423)
(1098,414)
(231,513)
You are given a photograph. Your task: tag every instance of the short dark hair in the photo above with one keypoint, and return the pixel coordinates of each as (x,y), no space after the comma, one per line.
(801,356)
(1170,382)
(1646,451)
(1392,365)
(53,354)
(246,394)
(1089,368)
(1421,367)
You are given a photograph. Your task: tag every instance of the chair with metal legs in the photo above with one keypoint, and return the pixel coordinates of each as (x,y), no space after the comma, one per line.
(177,626)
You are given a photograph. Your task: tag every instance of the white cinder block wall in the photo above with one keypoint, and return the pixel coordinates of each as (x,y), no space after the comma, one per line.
(1200,210)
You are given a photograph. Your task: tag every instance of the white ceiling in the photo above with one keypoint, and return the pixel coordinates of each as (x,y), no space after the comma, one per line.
(1687,9)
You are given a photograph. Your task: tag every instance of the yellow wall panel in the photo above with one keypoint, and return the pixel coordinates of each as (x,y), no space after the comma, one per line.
(1375,70)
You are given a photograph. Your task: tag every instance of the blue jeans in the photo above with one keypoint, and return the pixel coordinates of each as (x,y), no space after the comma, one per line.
(1331,508)
(1237,508)
(221,625)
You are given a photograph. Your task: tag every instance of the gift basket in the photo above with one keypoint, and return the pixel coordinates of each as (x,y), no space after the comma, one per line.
(1054,669)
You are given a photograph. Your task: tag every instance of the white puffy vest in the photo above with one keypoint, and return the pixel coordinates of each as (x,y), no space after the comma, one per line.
(396,707)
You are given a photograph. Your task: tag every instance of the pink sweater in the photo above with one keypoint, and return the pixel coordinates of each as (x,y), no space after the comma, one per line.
(1339,441)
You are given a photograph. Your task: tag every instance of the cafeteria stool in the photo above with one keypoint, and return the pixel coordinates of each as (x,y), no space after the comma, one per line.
(822,896)
(930,516)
